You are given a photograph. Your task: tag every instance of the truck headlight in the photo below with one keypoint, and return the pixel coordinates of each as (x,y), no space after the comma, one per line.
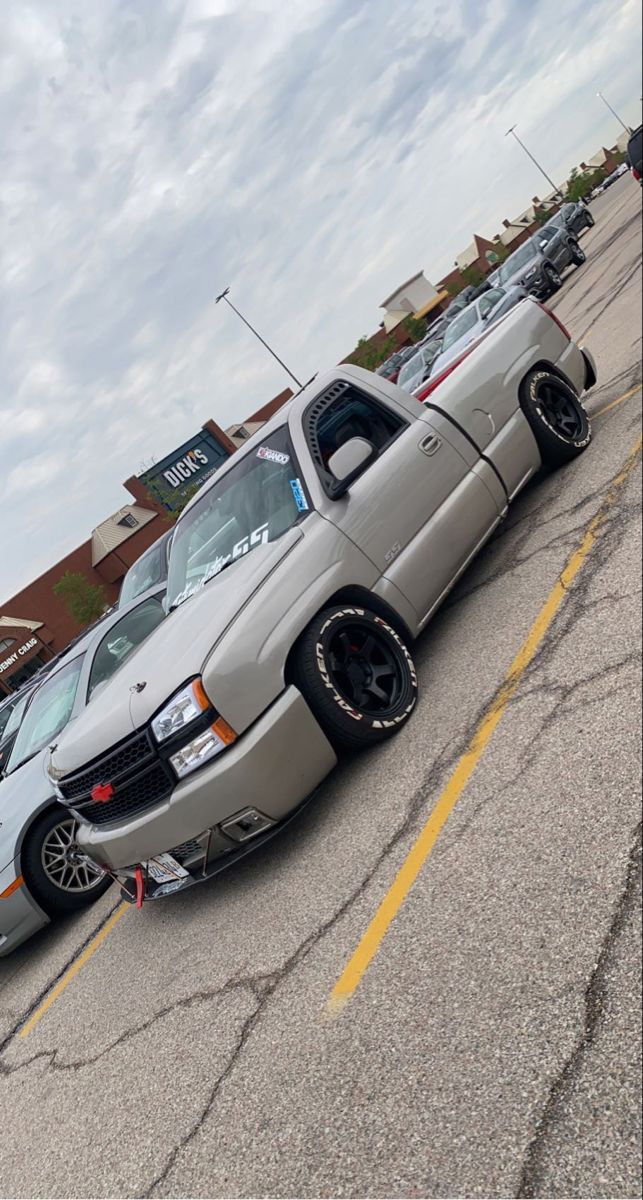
(202,748)
(184,707)
(530,274)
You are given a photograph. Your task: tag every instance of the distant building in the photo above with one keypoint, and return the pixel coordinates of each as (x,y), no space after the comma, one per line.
(35,623)
(414,298)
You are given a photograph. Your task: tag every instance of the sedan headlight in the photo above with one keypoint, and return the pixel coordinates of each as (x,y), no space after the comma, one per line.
(184,707)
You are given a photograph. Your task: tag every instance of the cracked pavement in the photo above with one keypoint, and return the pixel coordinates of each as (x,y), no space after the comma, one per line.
(493,1047)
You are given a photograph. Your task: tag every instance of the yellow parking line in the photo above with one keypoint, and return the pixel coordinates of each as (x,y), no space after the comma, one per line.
(619,400)
(371,940)
(75,967)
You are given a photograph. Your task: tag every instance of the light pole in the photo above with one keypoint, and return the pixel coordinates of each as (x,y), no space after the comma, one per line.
(530,155)
(224,296)
(614,113)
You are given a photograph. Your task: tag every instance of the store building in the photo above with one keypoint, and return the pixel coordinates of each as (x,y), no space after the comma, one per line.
(25,647)
(35,623)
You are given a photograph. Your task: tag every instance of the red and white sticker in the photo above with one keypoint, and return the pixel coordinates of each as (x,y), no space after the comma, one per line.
(271,455)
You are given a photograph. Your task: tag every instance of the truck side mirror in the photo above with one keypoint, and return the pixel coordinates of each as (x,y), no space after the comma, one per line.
(347,463)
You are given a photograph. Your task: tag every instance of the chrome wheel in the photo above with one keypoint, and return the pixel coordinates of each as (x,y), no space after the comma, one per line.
(64,864)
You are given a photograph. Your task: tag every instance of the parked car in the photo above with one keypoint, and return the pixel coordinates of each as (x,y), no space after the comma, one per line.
(435,330)
(299,576)
(607,183)
(43,873)
(6,708)
(473,321)
(461,300)
(11,726)
(391,368)
(635,154)
(572,217)
(148,571)
(418,368)
(538,263)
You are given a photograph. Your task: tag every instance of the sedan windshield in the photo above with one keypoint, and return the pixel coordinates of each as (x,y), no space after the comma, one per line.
(47,714)
(517,260)
(255,502)
(462,324)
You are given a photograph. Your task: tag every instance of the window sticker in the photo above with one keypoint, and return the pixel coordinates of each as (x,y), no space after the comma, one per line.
(258,537)
(298,493)
(276,456)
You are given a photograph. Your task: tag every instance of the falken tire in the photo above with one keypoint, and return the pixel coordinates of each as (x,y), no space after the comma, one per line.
(357,675)
(54,899)
(557,418)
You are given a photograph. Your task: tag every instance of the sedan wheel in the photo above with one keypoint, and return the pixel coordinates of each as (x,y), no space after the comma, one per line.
(57,873)
(64,865)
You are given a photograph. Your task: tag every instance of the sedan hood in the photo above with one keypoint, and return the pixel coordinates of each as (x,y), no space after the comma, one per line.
(173,654)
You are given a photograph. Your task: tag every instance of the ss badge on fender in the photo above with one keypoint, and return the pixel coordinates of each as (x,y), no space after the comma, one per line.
(393,552)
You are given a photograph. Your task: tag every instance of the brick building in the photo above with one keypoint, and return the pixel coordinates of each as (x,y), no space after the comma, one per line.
(35,623)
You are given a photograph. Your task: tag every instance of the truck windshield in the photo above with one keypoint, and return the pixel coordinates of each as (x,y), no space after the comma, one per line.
(256,501)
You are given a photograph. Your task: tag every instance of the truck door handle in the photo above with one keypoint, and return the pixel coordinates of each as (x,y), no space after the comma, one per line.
(430,444)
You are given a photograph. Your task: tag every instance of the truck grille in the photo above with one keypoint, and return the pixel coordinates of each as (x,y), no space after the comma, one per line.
(130,754)
(139,777)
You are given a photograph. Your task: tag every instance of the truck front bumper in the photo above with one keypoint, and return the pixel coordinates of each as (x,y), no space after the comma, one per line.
(270,770)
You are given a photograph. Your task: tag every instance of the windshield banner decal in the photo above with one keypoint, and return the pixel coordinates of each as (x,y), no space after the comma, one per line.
(276,456)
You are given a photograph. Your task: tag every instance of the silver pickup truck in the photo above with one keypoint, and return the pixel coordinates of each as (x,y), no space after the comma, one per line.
(299,577)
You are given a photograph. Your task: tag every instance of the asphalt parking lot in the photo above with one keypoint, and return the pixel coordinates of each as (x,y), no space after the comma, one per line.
(488,1042)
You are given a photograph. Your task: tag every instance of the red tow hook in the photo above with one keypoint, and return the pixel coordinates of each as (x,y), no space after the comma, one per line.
(140,886)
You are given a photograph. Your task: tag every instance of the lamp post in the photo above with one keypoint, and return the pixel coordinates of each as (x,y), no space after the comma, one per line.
(224,296)
(613,112)
(534,161)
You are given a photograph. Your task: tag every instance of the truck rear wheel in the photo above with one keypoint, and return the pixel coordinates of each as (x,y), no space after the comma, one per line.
(558,420)
(356,673)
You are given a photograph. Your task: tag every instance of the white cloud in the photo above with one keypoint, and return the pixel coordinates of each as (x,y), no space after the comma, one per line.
(310,155)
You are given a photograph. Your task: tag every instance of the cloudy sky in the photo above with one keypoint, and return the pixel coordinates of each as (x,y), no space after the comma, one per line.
(311,155)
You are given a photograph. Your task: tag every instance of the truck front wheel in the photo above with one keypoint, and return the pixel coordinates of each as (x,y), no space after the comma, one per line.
(357,675)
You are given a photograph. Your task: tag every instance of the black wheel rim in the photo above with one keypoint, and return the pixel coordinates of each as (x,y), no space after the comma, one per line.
(365,668)
(561,411)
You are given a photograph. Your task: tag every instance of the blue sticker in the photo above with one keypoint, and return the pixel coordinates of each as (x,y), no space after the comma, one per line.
(298,493)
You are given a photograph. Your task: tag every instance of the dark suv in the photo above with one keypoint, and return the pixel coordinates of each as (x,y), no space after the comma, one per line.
(635,154)
(572,217)
(538,263)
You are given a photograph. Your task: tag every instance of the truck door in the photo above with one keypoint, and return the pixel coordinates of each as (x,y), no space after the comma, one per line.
(418,510)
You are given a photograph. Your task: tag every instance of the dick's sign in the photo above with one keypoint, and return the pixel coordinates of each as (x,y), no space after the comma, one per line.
(182,472)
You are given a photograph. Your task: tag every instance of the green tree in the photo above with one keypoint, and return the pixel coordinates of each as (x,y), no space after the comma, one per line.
(86,601)
(472,276)
(415,329)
